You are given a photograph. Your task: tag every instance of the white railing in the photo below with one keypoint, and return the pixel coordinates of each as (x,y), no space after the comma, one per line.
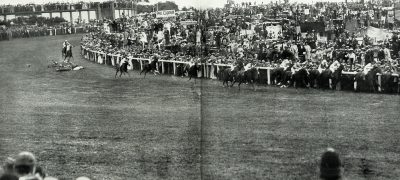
(115,59)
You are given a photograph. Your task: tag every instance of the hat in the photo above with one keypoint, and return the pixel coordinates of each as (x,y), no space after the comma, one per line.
(25,158)
(330,165)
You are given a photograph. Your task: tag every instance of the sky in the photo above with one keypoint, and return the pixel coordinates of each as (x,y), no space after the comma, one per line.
(181,3)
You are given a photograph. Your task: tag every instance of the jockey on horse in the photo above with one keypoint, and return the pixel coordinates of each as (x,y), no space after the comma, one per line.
(67,50)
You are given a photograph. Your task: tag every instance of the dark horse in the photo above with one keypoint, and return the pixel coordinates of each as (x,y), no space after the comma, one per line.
(64,52)
(228,74)
(123,68)
(389,83)
(248,76)
(301,78)
(313,77)
(150,67)
(192,71)
(328,79)
(369,81)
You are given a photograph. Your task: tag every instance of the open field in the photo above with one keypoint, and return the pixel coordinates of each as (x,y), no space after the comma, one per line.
(88,123)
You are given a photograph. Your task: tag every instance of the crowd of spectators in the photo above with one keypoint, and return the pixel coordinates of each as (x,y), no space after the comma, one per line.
(237,33)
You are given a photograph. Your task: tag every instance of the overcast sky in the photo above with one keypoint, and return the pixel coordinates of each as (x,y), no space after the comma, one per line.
(181,3)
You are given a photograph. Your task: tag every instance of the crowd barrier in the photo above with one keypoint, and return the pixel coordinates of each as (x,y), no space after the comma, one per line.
(207,70)
(63,31)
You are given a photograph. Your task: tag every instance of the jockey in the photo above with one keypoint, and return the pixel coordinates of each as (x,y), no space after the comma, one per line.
(248,66)
(296,67)
(334,66)
(367,68)
(285,64)
(324,65)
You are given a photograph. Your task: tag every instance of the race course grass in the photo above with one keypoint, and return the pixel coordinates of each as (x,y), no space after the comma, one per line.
(86,123)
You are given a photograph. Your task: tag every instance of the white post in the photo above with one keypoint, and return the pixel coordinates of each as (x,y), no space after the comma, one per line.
(174,68)
(355,85)
(379,82)
(130,64)
(162,66)
(268,76)
(141,64)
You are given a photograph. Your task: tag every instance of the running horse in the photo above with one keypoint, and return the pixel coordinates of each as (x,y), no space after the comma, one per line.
(328,79)
(246,76)
(192,70)
(122,69)
(369,81)
(150,67)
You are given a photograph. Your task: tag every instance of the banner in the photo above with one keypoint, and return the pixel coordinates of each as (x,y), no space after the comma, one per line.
(274,31)
(306,11)
(166,13)
(186,23)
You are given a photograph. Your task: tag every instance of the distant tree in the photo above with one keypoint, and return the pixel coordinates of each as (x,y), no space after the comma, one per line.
(185,9)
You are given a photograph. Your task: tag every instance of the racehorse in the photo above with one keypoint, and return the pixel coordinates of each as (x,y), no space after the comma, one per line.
(277,75)
(64,52)
(246,76)
(123,68)
(301,78)
(369,81)
(389,83)
(225,75)
(313,77)
(192,71)
(150,67)
(68,53)
(228,74)
(328,79)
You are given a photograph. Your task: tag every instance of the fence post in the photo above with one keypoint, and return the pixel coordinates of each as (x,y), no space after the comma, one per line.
(141,64)
(162,67)
(130,63)
(268,76)
(379,82)
(174,67)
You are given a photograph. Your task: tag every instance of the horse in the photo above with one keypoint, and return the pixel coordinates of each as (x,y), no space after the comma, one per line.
(367,82)
(277,75)
(389,83)
(246,76)
(191,70)
(64,52)
(68,54)
(123,68)
(150,67)
(301,78)
(313,77)
(225,75)
(328,79)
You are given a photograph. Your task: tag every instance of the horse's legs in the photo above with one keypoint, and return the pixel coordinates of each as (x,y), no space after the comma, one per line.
(116,73)
(120,74)
(190,77)
(141,72)
(240,82)
(233,82)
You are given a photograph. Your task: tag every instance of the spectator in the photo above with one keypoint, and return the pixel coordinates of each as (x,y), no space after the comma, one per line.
(330,167)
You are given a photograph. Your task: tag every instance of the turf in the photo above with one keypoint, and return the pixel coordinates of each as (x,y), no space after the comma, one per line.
(163,127)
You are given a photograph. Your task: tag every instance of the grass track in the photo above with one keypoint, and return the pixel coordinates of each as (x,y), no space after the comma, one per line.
(88,123)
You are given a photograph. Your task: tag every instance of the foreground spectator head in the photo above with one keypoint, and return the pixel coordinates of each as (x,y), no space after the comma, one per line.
(330,167)
(8,176)
(8,166)
(25,164)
